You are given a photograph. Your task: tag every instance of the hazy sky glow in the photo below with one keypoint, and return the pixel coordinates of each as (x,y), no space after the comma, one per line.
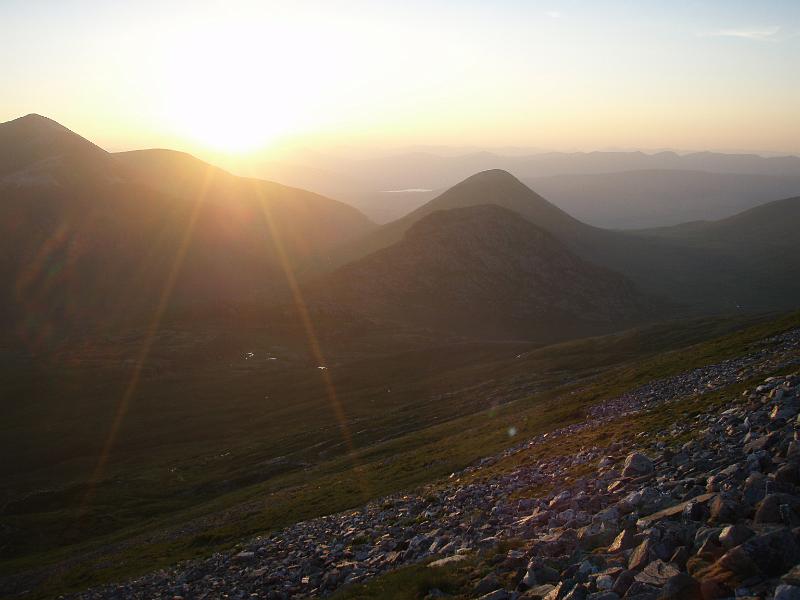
(241,75)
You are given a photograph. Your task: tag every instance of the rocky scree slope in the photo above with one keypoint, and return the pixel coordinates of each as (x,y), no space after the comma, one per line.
(715,517)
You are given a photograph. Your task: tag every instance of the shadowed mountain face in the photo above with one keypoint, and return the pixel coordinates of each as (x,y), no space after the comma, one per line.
(488,187)
(762,242)
(484,270)
(91,240)
(307,224)
(35,150)
(741,263)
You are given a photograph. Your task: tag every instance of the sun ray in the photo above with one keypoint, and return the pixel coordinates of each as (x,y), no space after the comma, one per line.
(311,336)
(152,329)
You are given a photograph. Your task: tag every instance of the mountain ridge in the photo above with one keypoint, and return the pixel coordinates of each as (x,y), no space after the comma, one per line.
(49,153)
(184,235)
(494,186)
(686,268)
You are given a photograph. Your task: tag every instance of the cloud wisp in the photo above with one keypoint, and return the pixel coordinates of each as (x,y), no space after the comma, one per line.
(761,34)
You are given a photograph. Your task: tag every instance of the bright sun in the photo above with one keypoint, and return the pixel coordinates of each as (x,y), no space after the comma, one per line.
(231,120)
(229,110)
(238,93)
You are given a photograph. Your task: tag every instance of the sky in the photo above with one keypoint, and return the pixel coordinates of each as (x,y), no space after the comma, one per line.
(252,76)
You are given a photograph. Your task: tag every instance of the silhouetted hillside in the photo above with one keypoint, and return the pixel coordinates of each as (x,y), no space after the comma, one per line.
(686,265)
(309,224)
(35,150)
(488,187)
(95,241)
(484,270)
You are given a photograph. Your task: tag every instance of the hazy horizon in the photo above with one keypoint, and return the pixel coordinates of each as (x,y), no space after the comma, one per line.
(246,78)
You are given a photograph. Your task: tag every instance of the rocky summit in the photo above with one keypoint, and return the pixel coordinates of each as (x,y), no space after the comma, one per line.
(705,507)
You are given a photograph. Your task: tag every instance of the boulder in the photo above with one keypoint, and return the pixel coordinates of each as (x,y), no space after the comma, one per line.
(488,584)
(625,540)
(766,555)
(637,465)
(538,592)
(603,596)
(657,573)
(723,509)
(682,508)
(787,592)
(681,586)
(733,535)
(496,595)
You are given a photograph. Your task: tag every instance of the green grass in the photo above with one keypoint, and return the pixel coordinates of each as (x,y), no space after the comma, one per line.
(198,445)
(414,582)
(411,583)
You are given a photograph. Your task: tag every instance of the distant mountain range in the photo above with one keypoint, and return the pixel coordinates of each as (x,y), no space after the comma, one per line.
(745,262)
(488,187)
(93,241)
(657,198)
(663,192)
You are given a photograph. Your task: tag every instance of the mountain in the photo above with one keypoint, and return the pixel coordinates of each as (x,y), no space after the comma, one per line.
(308,224)
(98,240)
(658,198)
(763,239)
(773,224)
(433,171)
(37,150)
(488,187)
(559,163)
(364,182)
(705,268)
(485,270)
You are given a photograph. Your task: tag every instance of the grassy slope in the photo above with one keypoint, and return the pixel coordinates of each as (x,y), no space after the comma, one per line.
(442,416)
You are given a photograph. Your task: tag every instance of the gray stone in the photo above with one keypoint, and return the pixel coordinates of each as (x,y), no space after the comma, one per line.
(603,596)
(681,586)
(733,535)
(539,591)
(488,584)
(787,592)
(637,465)
(496,595)
(657,573)
(624,541)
